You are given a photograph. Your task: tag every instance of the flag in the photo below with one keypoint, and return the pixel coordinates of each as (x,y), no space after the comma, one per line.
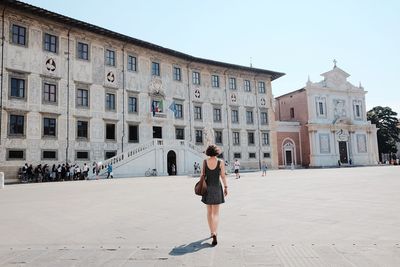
(153,107)
(173,107)
(160,106)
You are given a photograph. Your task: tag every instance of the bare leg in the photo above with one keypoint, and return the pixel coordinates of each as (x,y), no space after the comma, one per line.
(215,218)
(209,218)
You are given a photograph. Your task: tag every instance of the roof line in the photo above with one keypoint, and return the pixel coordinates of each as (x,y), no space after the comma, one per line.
(24,7)
(295,91)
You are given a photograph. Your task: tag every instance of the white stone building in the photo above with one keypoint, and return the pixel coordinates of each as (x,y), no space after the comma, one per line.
(338,127)
(325,124)
(75,92)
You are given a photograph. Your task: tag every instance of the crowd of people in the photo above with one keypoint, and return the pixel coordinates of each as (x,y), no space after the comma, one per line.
(60,172)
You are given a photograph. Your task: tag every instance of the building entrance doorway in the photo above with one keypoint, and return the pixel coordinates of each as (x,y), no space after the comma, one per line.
(289,153)
(343,152)
(289,158)
(171,163)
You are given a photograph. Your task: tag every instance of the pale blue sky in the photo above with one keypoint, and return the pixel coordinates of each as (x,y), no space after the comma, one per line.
(299,38)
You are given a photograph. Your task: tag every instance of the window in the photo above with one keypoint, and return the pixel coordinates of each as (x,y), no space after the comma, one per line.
(110,101)
(82,98)
(267,155)
(132,104)
(157,106)
(177,74)
(133,134)
(50,92)
(83,51)
(265,139)
(236,138)
(235,116)
(49,154)
(237,155)
(218,137)
(178,111)
(264,117)
(214,80)
(17,88)
(15,154)
(232,83)
(180,133)
(321,108)
(110,57)
(199,136)
(357,104)
(197,113)
(250,138)
(217,114)
(247,86)
(320,105)
(49,127)
(18,35)
(17,125)
(131,63)
(196,77)
(252,155)
(110,131)
(358,113)
(82,129)
(261,87)
(249,117)
(157,132)
(83,155)
(155,68)
(50,43)
(110,154)
(292,113)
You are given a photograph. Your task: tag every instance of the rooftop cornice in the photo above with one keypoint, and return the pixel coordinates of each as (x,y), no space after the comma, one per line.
(74,23)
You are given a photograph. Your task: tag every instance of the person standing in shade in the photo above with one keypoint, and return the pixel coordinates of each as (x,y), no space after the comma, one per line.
(264,169)
(173,169)
(214,171)
(236,167)
(109,170)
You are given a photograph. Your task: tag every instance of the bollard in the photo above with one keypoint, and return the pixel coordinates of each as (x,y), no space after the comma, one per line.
(1,180)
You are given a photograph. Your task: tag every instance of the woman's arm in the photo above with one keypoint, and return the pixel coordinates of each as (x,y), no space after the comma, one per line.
(224,179)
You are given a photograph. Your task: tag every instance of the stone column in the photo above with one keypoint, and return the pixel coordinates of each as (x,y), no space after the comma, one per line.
(351,135)
(1,180)
(313,147)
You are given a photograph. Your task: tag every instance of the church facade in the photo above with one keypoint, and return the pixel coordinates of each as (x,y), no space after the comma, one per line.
(74,92)
(325,124)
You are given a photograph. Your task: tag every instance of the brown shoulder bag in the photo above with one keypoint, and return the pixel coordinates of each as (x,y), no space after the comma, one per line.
(200,188)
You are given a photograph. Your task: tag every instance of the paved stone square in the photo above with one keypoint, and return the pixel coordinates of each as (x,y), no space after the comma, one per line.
(319,217)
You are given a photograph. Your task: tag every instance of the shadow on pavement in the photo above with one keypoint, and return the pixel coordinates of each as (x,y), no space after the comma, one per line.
(190,248)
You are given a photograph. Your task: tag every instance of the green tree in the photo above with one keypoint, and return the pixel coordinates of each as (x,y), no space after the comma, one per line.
(389,132)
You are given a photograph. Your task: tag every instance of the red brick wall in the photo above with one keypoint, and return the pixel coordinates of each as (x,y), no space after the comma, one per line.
(298,101)
(281,136)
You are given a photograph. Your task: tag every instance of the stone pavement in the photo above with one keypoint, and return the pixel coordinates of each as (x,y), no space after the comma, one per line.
(319,217)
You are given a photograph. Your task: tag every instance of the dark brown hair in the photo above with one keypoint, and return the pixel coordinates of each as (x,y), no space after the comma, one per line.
(212,151)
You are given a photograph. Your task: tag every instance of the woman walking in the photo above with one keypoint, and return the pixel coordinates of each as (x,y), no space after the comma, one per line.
(214,171)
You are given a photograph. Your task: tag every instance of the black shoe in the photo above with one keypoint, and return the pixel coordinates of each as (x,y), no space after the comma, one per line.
(214,242)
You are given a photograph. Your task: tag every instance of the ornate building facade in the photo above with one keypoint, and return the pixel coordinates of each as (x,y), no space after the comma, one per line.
(325,124)
(75,92)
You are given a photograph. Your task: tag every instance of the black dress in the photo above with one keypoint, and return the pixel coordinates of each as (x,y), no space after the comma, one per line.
(214,194)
